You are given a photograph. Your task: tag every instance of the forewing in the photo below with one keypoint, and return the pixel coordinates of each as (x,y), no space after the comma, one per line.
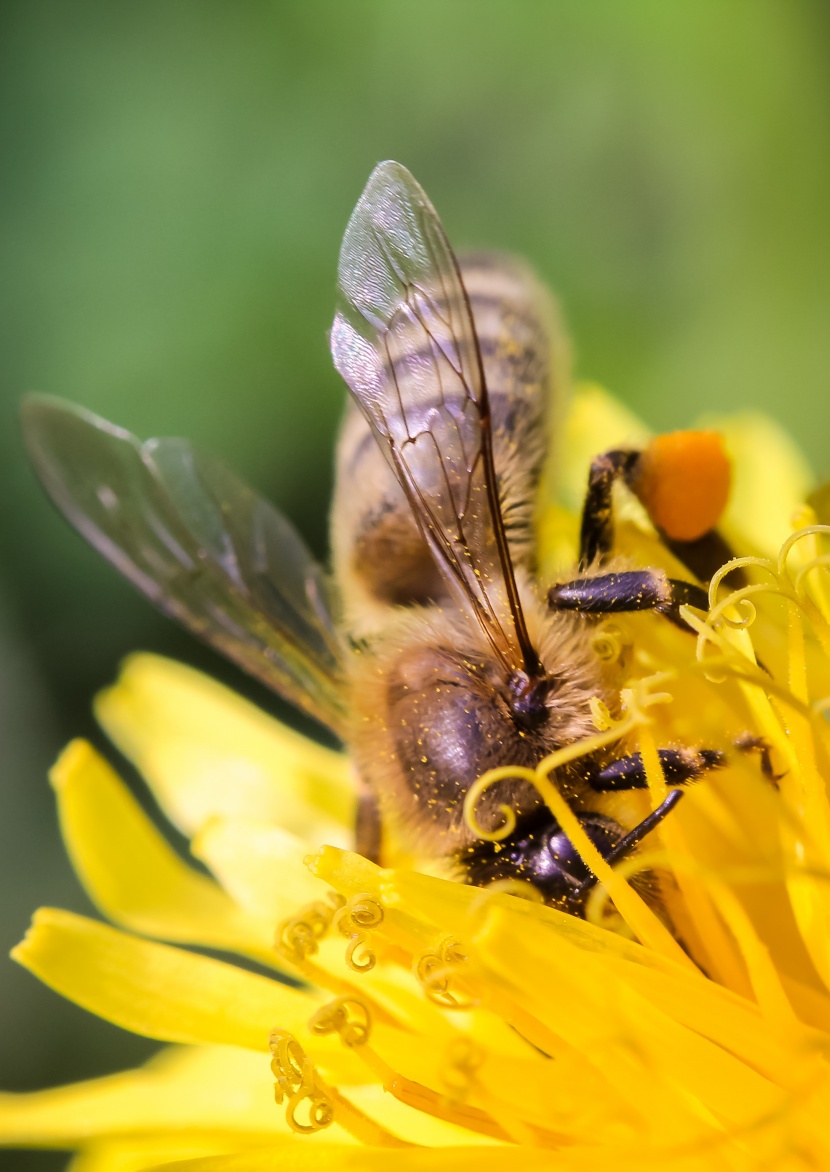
(404,341)
(200,544)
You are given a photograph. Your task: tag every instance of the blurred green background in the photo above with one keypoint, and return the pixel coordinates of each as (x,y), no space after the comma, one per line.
(176,178)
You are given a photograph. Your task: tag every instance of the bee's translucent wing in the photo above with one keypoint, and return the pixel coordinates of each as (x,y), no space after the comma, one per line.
(404,341)
(200,544)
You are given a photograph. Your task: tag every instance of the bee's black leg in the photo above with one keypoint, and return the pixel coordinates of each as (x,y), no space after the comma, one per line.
(679,766)
(705,556)
(596,534)
(702,557)
(628,842)
(748,743)
(629,591)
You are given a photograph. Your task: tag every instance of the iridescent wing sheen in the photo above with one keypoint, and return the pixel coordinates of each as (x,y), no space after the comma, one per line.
(200,544)
(404,341)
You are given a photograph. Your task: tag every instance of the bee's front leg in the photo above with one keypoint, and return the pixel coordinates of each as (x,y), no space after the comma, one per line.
(749,743)
(630,590)
(679,767)
(625,845)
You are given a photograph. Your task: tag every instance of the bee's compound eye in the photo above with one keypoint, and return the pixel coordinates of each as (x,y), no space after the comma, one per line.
(683,481)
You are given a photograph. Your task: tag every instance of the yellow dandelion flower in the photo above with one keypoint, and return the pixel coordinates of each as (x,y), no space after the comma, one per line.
(465,1027)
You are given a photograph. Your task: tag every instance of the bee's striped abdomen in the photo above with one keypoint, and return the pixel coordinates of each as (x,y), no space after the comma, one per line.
(380,557)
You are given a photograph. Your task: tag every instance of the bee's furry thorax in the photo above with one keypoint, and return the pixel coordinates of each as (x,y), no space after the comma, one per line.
(432,714)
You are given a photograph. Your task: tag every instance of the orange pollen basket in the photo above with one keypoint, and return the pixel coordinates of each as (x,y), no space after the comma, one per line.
(683,481)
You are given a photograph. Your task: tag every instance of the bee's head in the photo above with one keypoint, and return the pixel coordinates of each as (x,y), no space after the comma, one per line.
(538,852)
(437,710)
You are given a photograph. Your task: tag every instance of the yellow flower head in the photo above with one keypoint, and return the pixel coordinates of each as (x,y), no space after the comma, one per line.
(464,1027)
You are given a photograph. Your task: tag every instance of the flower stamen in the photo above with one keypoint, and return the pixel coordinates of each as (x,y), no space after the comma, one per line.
(348,1017)
(437,972)
(609,642)
(299,936)
(359,915)
(297,1080)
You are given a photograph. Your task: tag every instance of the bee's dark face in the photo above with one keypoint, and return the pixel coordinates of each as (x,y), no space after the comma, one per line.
(540,853)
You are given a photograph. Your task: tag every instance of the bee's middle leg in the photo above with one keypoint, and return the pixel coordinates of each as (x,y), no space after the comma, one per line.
(679,767)
(630,590)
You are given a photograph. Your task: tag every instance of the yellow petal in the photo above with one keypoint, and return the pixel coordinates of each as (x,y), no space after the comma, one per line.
(137,1153)
(675,1048)
(409,1123)
(216,1088)
(596,423)
(771,480)
(600,1015)
(206,752)
(265,869)
(305,1158)
(506,928)
(155,990)
(449,905)
(132,874)
(260,865)
(212,1099)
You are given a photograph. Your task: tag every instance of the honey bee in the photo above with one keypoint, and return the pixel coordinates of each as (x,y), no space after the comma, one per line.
(433,652)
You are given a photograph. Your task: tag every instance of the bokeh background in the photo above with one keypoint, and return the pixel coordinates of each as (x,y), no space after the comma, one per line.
(175,182)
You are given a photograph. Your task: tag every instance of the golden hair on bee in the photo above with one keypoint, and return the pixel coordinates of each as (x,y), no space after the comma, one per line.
(433,650)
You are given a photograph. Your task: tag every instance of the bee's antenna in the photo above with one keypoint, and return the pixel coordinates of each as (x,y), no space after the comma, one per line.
(631,840)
